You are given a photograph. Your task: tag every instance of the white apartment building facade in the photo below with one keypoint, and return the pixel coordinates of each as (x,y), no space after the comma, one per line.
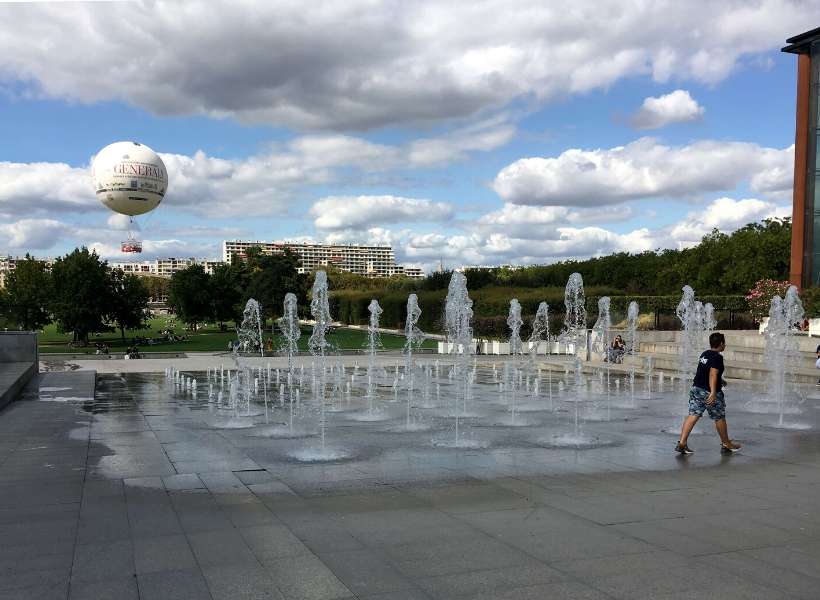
(8,263)
(163,267)
(370,261)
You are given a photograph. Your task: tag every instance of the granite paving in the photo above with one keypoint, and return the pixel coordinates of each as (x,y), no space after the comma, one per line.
(122,488)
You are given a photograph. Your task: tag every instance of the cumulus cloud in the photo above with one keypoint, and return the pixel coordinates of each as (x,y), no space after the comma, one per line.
(675,107)
(540,235)
(32,234)
(644,168)
(49,237)
(524,222)
(30,188)
(483,136)
(121,223)
(539,222)
(390,64)
(724,214)
(262,184)
(352,212)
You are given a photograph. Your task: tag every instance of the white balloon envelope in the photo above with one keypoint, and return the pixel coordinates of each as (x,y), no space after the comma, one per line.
(129,178)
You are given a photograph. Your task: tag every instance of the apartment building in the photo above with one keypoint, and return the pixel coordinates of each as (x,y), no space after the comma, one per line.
(163,267)
(8,263)
(370,261)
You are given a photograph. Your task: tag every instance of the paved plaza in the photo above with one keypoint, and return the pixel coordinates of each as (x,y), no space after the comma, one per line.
(131,489)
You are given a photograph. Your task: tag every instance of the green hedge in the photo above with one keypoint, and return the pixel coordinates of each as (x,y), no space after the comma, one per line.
(619,304)
(811,302)
(491,305)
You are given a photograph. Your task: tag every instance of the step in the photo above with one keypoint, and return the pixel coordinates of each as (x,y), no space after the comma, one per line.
(746,339)
(746,370)
(13,378)
(755,355)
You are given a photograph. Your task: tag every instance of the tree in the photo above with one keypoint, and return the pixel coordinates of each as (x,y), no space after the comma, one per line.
(225,293)
(129,301)
(189,295)
(82,299)
(157,288)
(27,295)
(270,278)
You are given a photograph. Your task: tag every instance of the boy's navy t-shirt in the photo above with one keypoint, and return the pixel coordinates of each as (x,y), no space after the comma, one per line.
(710,359)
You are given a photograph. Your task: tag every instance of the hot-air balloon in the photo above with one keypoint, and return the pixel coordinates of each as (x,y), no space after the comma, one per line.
(130,179)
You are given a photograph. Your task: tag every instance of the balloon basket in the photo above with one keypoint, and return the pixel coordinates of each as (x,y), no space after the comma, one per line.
(131,247)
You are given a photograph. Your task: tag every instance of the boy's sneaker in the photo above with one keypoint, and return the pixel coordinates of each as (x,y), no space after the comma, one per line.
(683,449)
(730,447)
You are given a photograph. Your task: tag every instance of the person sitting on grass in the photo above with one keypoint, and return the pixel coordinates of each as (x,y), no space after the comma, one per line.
(706,395)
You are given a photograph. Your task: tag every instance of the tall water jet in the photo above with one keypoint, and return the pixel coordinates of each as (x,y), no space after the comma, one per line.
(601,331)
(782,352)
(691,319)
(709,320)
(458,315)
(249,340)
(575,317)
(289,327)
(317,344)
(249,332)
(374,344)
(514,322)
(793,309)
(575,332)
(632,315)
(291,332)
(540,333)
(540,329)
(414,337)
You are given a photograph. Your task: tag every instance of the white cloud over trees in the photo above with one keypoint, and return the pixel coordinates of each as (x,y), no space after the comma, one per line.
(644,168)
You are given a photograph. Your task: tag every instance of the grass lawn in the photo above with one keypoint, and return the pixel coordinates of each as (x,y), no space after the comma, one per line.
(207,339)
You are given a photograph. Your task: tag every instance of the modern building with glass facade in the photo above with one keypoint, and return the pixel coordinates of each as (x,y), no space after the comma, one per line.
(805,253)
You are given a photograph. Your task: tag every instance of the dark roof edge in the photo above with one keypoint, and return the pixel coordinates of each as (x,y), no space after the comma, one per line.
(799,44)
(802,37)
(796,49)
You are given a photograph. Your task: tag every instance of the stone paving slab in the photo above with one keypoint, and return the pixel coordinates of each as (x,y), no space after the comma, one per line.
(98,499)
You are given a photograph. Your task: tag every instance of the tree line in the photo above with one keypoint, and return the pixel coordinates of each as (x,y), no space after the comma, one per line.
(79,292)
(721,264)
(83,295)
(198,297)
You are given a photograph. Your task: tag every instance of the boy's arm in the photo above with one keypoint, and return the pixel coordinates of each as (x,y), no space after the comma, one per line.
(713,382)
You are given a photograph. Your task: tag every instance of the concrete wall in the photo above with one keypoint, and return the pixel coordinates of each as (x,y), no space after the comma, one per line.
(18,346)
(18,363)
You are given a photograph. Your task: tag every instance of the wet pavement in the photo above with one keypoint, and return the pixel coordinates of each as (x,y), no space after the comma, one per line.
(141,489)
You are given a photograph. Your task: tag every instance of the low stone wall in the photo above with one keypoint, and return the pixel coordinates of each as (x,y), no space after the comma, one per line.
(18,346)
(18,363)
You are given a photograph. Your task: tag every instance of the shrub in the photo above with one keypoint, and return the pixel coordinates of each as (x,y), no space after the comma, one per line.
(811,302)
(760,296)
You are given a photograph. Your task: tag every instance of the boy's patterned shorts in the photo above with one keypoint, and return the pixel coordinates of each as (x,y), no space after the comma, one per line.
(697,404)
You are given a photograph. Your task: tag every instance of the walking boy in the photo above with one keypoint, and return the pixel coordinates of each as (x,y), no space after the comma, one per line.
(707,395)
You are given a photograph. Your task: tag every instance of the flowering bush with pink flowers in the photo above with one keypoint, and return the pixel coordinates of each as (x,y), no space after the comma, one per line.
(760,296)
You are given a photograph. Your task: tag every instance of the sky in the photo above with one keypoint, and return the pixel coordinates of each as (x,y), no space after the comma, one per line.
(462,133)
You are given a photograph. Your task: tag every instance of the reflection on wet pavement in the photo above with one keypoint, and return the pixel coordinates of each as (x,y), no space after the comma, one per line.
(137,489)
